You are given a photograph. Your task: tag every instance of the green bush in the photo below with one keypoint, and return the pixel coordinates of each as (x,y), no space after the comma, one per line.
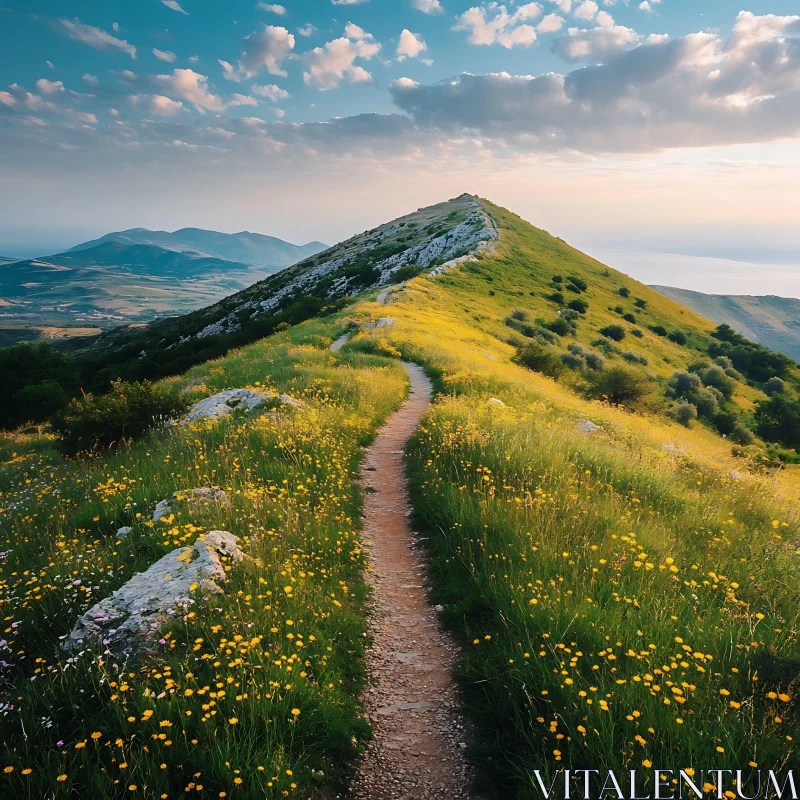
(128,411)
(774,386)
(541,359)
(642,304)
(406,273)
(741,435)
(619,385)
(778,420)
(581,306)
(623,292)
(556,297)
(717,377)
(629,318)
(679,337)
(684,413)
(615,332)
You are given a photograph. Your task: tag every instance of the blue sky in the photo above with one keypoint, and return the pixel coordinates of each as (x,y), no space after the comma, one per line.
(668,125)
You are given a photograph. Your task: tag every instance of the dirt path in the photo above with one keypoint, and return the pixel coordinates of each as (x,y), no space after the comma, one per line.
(419,739)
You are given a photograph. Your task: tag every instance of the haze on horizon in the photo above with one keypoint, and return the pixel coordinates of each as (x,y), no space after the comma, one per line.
(631,130)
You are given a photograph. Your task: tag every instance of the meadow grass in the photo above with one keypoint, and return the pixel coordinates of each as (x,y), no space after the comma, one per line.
(252,692)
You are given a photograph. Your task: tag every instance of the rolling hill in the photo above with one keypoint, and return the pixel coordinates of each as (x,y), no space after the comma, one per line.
(772,321)
(619,577)
(245,247)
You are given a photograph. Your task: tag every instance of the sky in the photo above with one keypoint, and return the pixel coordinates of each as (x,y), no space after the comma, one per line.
(662,135)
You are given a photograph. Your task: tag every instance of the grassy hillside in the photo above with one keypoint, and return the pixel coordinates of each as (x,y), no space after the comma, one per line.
(772,321)
(624,598)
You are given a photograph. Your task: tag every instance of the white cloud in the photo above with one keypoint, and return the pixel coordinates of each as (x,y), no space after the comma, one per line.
(229,72)
(241,100)
(348,2)
(192,87)
(586,10)
(266,49)
(329,65)
(94,37)
(410,45)
(91,80)
(565,6)
(596,43)
(193,59)
(271,92)
(273,8)
(306,30)
(695,91)
(115,27)
(8,99)
(492,24)
(164,106)
(428,6)
(164,55)
(551,23)
(50,64)
(279,113)
(175,6)
(49,87)
(405,83)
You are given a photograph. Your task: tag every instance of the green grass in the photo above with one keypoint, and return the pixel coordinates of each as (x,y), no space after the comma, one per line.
(213,706)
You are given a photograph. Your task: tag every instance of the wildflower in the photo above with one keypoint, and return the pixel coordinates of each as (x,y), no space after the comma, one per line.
(61,778)
(233,721)
(295,712)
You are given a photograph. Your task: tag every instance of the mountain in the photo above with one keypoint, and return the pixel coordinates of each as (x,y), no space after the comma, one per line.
(772,321)
(110,284)
(245,247)
(419,241)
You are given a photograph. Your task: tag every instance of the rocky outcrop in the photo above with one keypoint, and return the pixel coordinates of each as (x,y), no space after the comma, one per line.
(127,621)
(223,403)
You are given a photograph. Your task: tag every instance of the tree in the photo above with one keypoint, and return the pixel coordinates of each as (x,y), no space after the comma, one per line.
(684,413)
(619,385)
(778,420)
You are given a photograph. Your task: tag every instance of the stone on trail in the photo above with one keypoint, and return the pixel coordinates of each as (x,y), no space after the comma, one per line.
(135,613)
(221,404)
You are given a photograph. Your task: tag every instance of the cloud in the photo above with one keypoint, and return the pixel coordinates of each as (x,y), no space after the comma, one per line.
(271,92)
(565,6)
(164,106)
(492,24)
(8,99)
(428,6)
(50,64)
(91,80)
(694,91)
(266,49)
(175,6)
(229,72)
(329,65)
(94,37)
(410,45)
(273,8)
(348,2)
(647,5)
(306,30)
(241,100)
(164,55)
(45,86)
(596,43)
(587,10)
(551,23)
(192,87)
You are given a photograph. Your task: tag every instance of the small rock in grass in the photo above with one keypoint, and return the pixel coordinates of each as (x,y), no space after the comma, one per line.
(221,404)
(587,426)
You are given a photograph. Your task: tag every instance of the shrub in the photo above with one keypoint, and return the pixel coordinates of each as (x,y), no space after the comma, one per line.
(556,297)
(623,292)
(684,413)
(634,358)
(557,279)
(615,332)
(541,359)
(706,402)
(637,333)
(741,435)
(679,337)
(724,362)
(560,326)
(579,284)
(619,385)
(573,361)
(683,383)
(716,377)
(778,420)
(406,273)
(629,318)
(581,306)
(640,303)
(128,411)
(754,360)
(593,361)
(659,330)
(519,314)
(774,386)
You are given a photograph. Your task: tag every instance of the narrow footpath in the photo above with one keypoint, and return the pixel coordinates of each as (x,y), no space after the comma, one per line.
(419,743)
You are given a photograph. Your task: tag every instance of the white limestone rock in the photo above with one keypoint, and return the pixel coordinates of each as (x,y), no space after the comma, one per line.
(587,426)
(221,404)
(128,619)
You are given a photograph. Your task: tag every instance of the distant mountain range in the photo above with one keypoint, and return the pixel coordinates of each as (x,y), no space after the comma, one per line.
(133,276)
(245,247)
(769,320)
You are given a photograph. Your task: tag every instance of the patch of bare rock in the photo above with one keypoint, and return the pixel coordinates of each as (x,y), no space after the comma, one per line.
(128,620)
(223,403)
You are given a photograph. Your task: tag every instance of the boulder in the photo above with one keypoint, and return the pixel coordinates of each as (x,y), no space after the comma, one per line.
(288,400)
(221,404)
(587,426)
(124,531)
(196,497)
(493,401)
(127,620)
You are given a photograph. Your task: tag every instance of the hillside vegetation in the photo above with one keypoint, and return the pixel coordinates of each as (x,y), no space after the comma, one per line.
(624,596)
